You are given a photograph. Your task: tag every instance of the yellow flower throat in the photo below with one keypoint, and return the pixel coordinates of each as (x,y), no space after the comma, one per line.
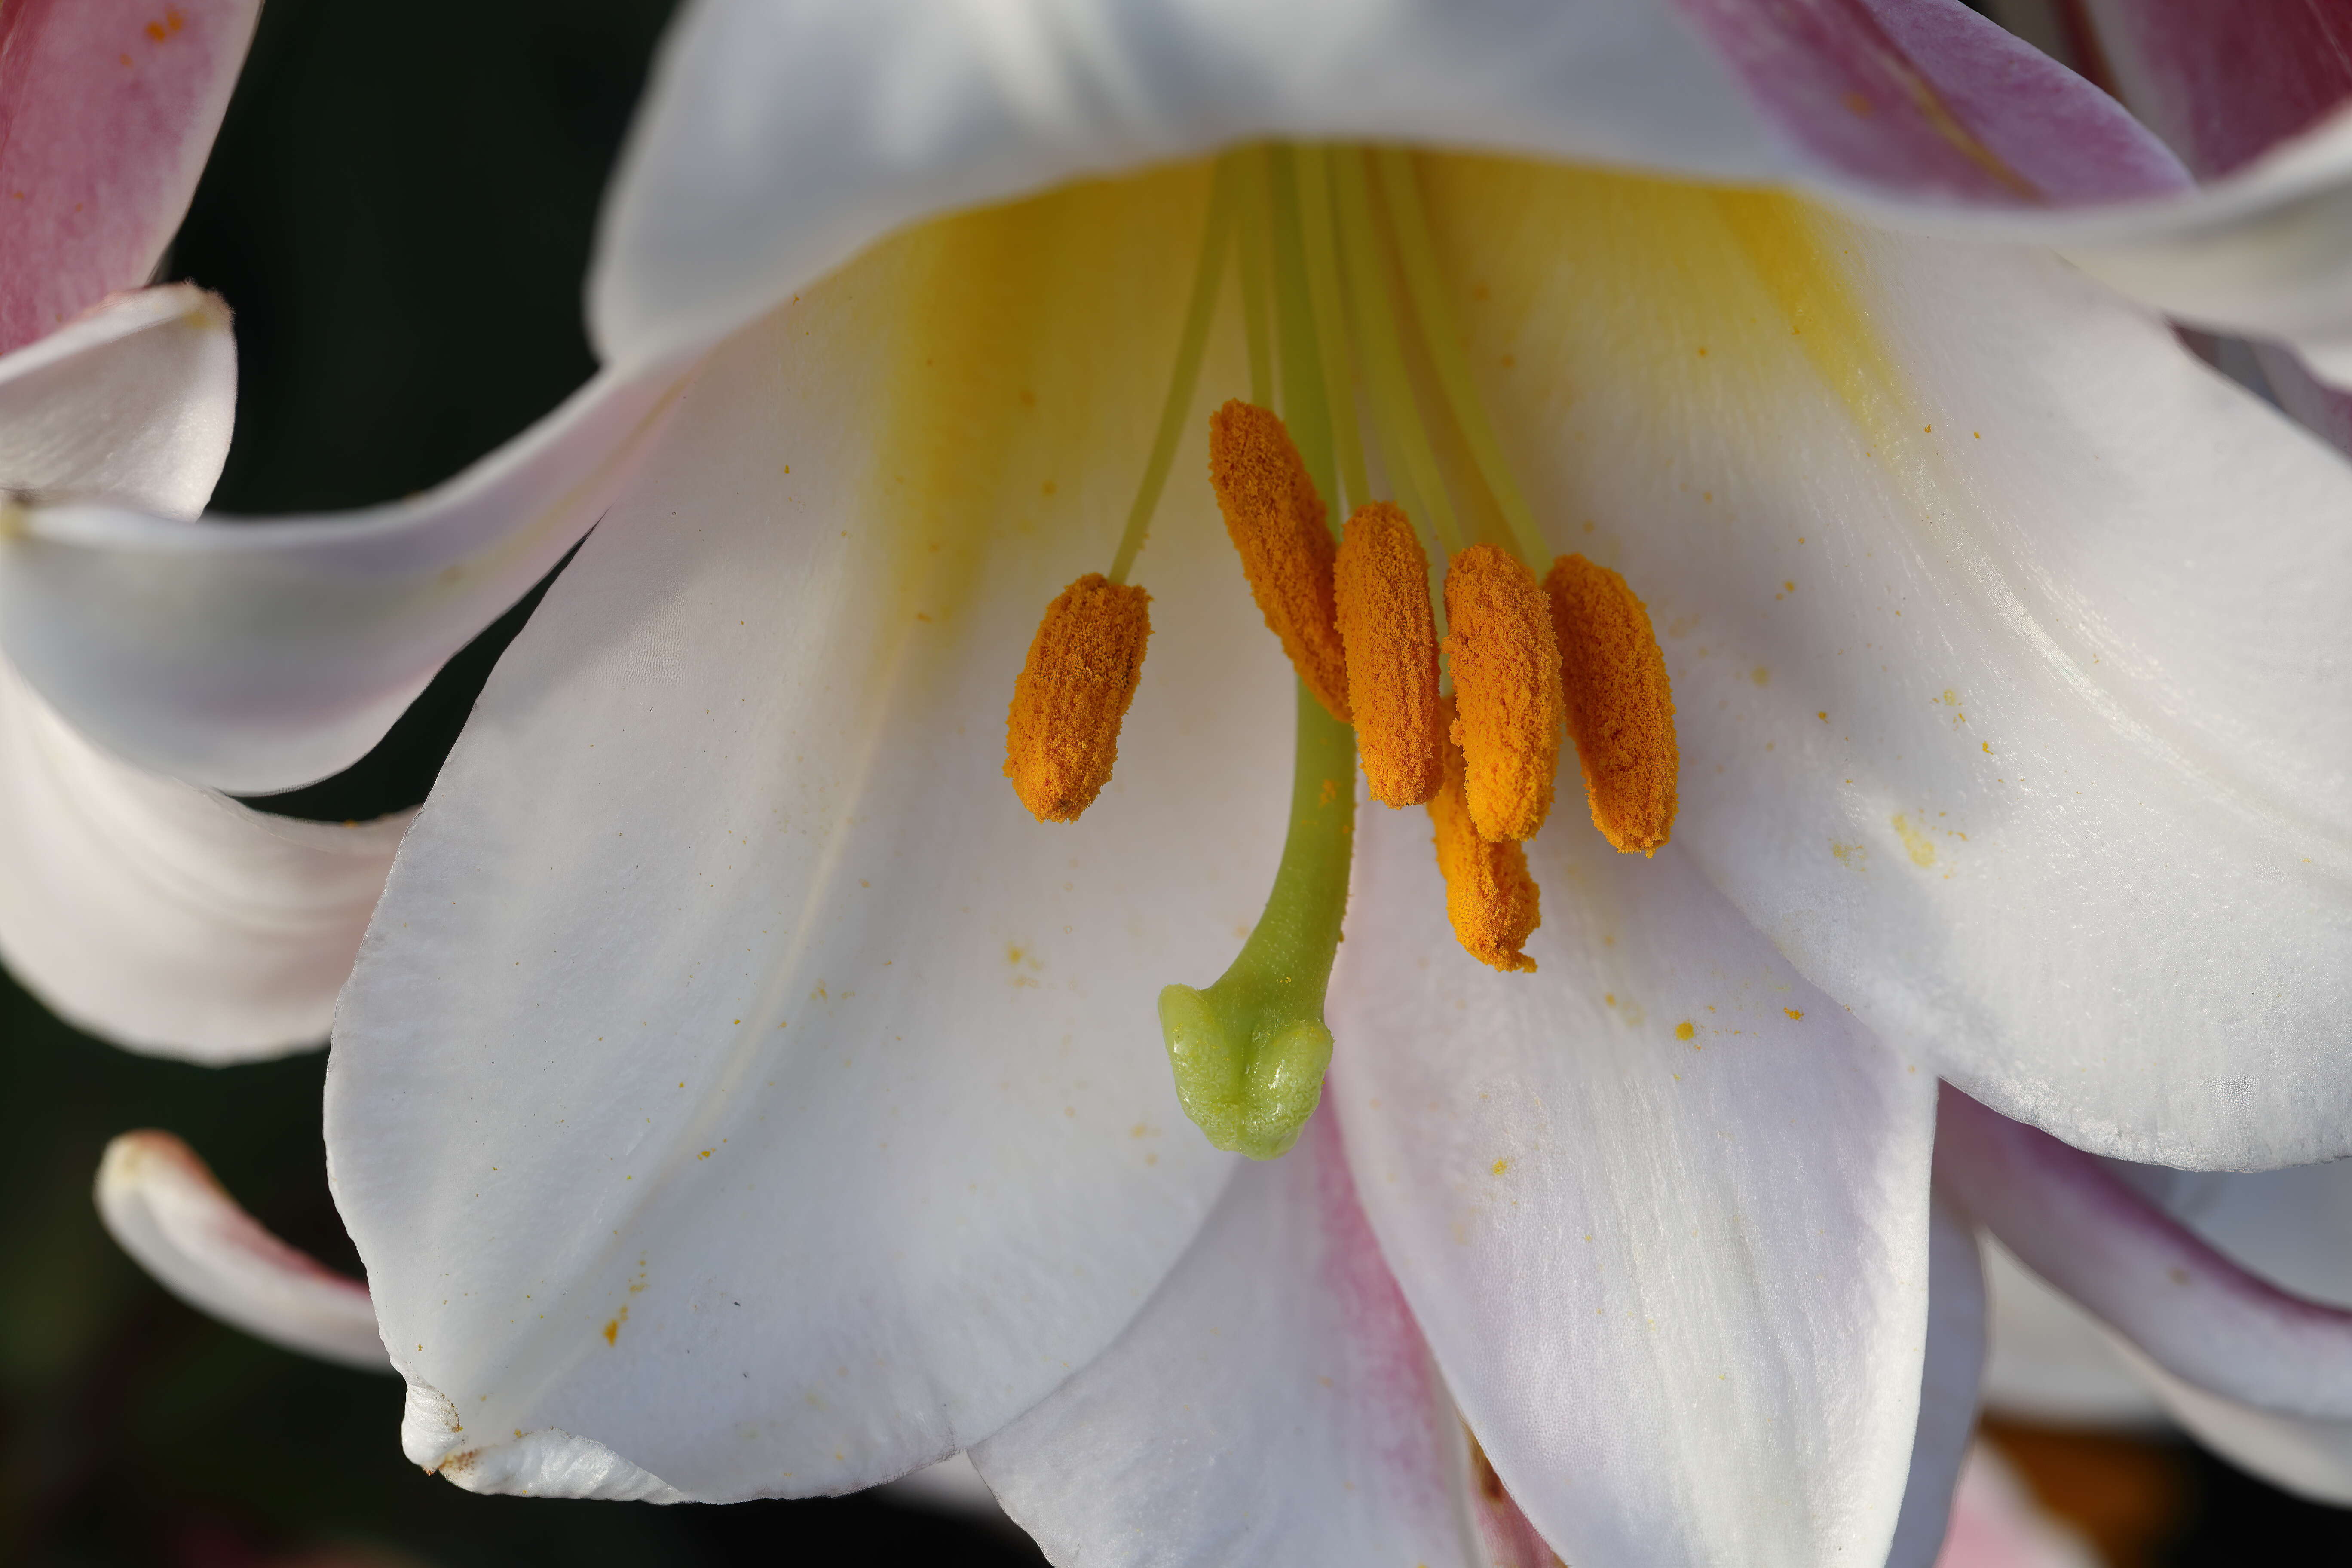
(1320,235)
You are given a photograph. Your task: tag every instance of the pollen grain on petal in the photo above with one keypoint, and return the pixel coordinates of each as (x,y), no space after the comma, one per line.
(1061,736)
(1275,521)
(1382,580)
(1491,901)
(1620,711)
(1505,661)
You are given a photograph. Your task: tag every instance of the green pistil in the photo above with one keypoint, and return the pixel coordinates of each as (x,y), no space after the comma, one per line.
(1249,1052)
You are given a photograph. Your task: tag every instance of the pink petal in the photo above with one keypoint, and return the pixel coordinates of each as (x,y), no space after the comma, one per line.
(107,108)
(1996,1524)
(2194,1312)
(2222,81)
(1928,98)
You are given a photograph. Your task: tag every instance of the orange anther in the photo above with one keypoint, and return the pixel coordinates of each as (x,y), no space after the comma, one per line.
(1491,901)
(1275,521)
(1620,710)
(1383,584)
(1062,734)
(1506,664)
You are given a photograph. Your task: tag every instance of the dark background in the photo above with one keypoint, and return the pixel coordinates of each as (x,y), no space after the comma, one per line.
(399,210)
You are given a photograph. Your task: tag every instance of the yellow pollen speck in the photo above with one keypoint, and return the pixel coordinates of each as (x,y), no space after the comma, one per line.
(1504,655)
(1686,1030)
(1760,676)
(1061,736)
(1381,584)
(1501,1167)
(1491,901)
(1620,709)
(1921,848)
(1794,1012)
(1275,522)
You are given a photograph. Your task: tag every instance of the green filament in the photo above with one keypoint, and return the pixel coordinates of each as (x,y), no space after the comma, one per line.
(1192,342)
(1417,255)
(1323,300)
(1249,1052)
(1412,465)
(1257,268)
(1304,409)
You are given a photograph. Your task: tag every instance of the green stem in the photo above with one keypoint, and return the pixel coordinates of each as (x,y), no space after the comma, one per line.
(1417,254)
(1249,1052)
(1192,342)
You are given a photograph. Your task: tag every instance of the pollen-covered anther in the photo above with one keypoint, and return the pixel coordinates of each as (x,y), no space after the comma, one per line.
(1390,637)
(1062,734)
(1505,661)
(1491,901)
(1620,712)
(1275,521)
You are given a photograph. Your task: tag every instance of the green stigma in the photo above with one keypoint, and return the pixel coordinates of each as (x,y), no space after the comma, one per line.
(1249,1052)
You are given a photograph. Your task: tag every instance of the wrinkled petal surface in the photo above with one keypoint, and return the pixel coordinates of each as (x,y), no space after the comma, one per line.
(1273,1404)
(2205,1318)
(261,656)
(789,1103)
(1661,1209)
(160,1203)
(2001,631)
(107,108)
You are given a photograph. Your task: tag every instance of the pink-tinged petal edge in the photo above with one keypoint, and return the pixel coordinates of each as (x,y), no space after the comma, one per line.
(163,1205)
(107,108)
(2190,1309)
(2222,81)
(1927,100)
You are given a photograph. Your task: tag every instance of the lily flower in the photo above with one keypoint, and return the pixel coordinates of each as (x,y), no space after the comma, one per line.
(740,1092)
(161,916)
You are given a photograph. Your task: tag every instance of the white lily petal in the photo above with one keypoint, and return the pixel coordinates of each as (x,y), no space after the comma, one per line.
(1273,1404)
(543,1462)
(2304,1455)
(2050,1360)
(134,400)
(2293,1229)
(779,140)
(160,1203)
(2073,1221)
(1661,1208)
(724,967)
(1948,1387)
(261,656)
(167,918)
(1998,626)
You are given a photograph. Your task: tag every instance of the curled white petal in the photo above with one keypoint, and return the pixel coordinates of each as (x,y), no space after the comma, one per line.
(261,656)
(165,918)
(2188,1307)
(543,1462)
(162,1206)
(133,400)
